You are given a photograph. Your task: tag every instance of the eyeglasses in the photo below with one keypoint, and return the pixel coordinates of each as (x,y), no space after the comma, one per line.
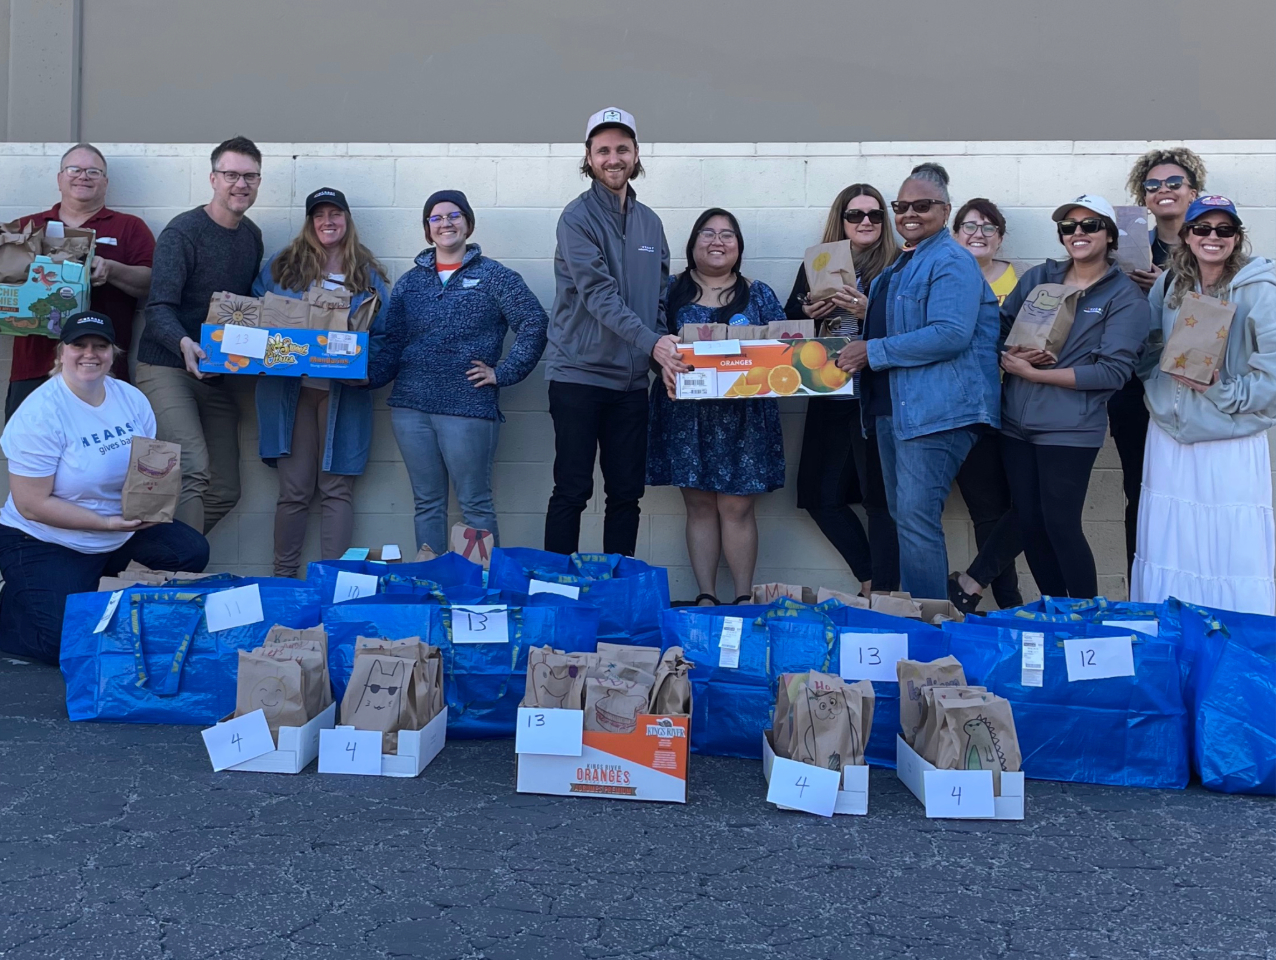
(859,216)
(726,236)
(452,217)
(921,206)
(971,227)
(232,177)
(1088,225)
(89,173)
(1169,183)
(1223,230)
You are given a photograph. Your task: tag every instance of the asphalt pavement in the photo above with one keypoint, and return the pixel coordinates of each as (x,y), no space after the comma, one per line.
(118,841)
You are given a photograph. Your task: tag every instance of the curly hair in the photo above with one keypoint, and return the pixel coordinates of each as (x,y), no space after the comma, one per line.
(1192,165)
(1187,272)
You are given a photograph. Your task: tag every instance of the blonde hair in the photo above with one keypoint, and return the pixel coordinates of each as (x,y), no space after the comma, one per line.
(882,253)
(1187,272)
(305,261)
(1182,157)
(116,353)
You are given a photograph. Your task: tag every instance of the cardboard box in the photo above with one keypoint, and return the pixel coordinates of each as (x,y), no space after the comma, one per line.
(297,747)
(899,603)
(337,355)
(919,774)
(763,369)
(52,292)
(648,764)
(851,799)
(416,749)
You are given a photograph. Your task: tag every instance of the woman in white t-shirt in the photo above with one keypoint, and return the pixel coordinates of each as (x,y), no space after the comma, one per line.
(61,528)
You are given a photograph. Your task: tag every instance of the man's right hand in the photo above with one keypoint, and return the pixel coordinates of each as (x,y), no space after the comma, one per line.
(666,354)
(192,353)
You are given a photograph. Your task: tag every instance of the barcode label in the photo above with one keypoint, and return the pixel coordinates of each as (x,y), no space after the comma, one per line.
(698,385)
(1033,668)
(342,344)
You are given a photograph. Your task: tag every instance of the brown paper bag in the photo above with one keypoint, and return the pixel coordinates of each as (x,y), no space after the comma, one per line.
(1045,319)
(671,692)
(913,676)
(770,592)
(328,309)
(275,687)
(284,312)
(933,701)
(386,694)
(474,545)
(311,647)
(361,317)
(645,658)
(153,483)
(979,736)
(1198,340)
(556,680)
(696,332)
(896,604)
(19,246)
(849,599)
(790,330)
(829,268)
(1134,244)
(612,706)
(826,730)
(425,553)
(234,309)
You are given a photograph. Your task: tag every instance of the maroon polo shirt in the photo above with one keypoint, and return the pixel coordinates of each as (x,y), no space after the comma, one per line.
(120,236)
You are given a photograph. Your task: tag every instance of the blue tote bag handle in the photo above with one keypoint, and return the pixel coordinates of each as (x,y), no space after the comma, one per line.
(169,682)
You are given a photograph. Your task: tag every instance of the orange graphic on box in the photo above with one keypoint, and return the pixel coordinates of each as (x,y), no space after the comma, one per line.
(766,368)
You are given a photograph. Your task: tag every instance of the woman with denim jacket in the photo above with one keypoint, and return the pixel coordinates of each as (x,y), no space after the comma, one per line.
(317,433)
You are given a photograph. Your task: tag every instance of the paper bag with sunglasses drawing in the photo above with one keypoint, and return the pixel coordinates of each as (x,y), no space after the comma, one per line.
(1045,319)
(1195,346)
(829,268)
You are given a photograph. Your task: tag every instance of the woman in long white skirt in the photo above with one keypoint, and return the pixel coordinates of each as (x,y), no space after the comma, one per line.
(1206,532)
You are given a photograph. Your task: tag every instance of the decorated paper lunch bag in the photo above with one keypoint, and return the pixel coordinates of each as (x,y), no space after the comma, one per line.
(429,578)
(629,593)
(145,654)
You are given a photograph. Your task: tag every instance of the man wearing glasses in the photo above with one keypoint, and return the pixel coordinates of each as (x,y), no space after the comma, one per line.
(120,272)
(201,252)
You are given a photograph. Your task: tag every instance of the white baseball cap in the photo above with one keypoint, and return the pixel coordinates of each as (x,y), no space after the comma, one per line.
(612,117)
(1091,201)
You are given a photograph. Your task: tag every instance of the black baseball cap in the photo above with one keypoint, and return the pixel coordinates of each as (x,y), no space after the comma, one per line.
(88,323)
(326,195)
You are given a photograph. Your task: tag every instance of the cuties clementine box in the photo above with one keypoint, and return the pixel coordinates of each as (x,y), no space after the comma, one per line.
(745,369)
(284,352)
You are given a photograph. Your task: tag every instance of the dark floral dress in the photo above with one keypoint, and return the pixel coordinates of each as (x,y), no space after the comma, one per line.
(724,446)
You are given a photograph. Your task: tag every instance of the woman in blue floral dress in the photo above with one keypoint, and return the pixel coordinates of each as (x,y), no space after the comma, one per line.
(721,453)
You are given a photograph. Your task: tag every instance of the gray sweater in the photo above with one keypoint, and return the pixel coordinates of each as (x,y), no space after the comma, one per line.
(194,258)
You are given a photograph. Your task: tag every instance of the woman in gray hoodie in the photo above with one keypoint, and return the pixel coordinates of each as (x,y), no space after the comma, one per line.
(1206,532)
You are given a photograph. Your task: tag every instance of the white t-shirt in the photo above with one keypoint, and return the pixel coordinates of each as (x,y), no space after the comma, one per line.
(84,448)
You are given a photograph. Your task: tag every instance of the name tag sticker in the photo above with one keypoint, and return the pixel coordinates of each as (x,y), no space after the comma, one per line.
(1098,658)
(716,348)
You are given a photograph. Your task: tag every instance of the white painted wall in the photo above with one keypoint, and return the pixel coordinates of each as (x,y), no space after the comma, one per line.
(780,192)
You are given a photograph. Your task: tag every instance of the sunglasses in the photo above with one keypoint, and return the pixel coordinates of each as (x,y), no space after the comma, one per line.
(1224,231)
(377,688)
(1088,225)
(921,206)
(1170,183)
(970,227)
(859,216)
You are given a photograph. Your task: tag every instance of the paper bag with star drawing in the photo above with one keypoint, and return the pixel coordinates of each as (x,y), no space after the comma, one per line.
(1195,346)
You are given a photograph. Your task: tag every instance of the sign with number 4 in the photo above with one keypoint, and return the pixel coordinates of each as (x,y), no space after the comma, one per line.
(960,794)
(237,740)
(347,750)
(800,786)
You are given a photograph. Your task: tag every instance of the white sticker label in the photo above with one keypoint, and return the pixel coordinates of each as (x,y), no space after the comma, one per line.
(238,740)
(342,344)
(729,657)
(355,553)
(347,750)
(55,229)
(236,607)
(488,623)
(1151,627)
(698,385)
(391,551)
(732,631)
(562,589)
(1032,669)
(716,348)
(872,656)
(352,586)
(245,341)
(1097,658)
(109,611)
(960,794)
(801,786)
(558,733)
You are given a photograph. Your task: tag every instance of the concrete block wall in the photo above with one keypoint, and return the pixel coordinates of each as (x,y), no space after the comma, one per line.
(779,191)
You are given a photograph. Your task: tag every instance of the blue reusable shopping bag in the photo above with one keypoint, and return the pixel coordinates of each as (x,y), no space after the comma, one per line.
(155,661)
(1122,731)
(430,577)
(629,593)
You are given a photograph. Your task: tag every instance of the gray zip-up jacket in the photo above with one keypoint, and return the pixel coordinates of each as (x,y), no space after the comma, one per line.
(610,269)
(1111,324)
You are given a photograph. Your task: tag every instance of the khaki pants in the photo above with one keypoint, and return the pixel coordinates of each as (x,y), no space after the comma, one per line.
(202,416)
(299,476)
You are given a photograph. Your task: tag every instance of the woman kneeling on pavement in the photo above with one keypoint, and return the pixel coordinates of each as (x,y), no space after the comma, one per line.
(1206,531)
(61,528)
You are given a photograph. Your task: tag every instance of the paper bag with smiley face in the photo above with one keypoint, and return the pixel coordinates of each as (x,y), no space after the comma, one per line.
(275,687)
(153,483)
(829,268)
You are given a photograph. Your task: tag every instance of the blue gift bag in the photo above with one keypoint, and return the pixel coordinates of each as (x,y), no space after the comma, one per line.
(155,661)
(430,577)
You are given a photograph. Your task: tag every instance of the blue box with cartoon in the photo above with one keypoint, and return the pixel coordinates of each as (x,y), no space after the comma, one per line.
(286,352)
(52,293)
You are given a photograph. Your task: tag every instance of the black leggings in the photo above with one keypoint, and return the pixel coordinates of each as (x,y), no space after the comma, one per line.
(1048,485)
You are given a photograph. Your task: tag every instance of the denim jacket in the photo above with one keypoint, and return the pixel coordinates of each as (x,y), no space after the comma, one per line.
(348,440)
(941,344)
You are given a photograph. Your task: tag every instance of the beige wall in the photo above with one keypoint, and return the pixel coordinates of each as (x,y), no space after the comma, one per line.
(780,191)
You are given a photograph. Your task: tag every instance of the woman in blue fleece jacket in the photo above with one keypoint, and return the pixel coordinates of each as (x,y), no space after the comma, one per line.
(445,329)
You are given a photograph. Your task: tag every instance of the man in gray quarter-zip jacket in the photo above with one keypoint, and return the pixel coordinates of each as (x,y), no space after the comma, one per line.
(611,267)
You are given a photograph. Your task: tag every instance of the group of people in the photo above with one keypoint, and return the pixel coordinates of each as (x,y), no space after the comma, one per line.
(939,398)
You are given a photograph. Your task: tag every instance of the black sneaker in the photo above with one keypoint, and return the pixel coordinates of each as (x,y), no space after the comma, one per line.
(967,603)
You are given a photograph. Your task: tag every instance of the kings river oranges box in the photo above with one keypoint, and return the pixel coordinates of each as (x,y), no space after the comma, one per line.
(650,763)
(749,369)
(284,352)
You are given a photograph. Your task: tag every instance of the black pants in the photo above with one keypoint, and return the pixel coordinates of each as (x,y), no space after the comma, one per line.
(1128,424)
(1049,485)
(838,467)
(19,390)
(982,481)
(610,425)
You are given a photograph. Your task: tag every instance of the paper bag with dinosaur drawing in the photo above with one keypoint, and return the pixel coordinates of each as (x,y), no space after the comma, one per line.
(979,736)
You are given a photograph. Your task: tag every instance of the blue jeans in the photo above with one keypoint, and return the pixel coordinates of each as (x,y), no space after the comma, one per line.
(918,474)
(437,447)
(39,576)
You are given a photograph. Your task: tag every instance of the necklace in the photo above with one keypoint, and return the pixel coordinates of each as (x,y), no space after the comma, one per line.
(710,287)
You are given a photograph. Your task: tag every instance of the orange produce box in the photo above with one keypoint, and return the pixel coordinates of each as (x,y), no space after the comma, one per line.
(754,369)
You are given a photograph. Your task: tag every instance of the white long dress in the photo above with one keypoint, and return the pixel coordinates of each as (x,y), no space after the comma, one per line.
(1206,531)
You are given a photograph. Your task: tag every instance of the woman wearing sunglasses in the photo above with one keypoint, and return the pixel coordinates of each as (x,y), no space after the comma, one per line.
(1206,532)
(839,462)
(1053,416)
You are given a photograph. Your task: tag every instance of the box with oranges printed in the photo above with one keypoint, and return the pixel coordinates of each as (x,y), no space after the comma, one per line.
(755,369)
(284,352)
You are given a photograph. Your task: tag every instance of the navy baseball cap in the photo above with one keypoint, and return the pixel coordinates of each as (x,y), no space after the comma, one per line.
(326,195)
(1212,203)
(88,323)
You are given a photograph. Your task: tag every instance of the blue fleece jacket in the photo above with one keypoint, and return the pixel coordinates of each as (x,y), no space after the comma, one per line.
(435,330)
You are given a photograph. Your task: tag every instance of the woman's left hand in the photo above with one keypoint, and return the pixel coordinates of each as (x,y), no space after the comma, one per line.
(1193,385)
(1017,366)
(481,375)
(852,301)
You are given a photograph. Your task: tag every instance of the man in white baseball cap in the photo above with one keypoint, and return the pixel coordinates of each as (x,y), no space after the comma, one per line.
(612,117)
